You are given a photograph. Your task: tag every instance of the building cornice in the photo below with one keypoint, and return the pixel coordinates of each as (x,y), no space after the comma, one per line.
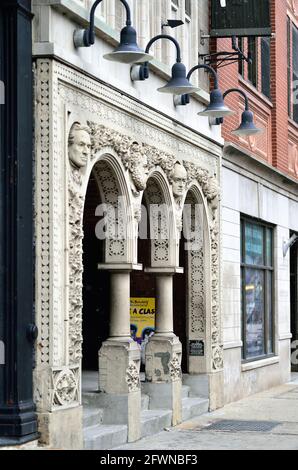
(244,162)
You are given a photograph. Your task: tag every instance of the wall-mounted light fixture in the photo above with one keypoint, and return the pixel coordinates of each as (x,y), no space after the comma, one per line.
(247,126)
(216,107)
(172,24)
(127,52)
(179,83)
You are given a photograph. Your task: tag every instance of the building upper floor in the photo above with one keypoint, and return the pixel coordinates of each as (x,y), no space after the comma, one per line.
(56,20)
(271,83)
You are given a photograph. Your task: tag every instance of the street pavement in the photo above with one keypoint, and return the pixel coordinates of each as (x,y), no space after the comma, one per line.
(265,421)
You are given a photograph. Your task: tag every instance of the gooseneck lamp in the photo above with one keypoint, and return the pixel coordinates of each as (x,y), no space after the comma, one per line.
(127,52)
(247,126)
(178,83)
(216,107)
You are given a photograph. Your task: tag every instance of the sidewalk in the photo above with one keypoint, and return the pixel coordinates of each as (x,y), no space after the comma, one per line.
(267,420)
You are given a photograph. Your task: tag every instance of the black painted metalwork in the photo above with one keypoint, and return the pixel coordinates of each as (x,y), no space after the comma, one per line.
(18,422)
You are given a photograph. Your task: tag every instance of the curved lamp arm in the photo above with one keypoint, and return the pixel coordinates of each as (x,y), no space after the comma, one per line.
(219,121)
(170,38)
(90,36)
(206,67)
(241,92)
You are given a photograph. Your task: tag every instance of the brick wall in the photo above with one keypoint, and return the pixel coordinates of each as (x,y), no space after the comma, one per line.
(278,144)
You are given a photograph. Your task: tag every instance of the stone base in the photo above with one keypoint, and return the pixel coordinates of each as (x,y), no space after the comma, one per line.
(163,374)
(62,429)
(120,409)
(119,379)
(163,359)
(216,390)
(165,396)
(119,366)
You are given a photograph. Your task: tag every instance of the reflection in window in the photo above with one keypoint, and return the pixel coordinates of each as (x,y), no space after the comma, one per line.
(257,289)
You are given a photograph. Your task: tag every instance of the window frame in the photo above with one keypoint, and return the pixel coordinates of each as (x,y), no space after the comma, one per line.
(266,268)
(291,25)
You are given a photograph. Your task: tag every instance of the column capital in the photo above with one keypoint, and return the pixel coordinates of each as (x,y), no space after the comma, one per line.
(119,267)
(166,270)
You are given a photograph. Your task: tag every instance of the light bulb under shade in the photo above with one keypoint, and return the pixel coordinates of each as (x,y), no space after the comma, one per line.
(216,108)
(128,57)
(247,126)
(246,132)
(128,51)
(179,89)
(216,113)
(178,84)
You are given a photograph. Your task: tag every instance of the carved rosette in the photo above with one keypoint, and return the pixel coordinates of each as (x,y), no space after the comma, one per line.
(65,385)
(133,378)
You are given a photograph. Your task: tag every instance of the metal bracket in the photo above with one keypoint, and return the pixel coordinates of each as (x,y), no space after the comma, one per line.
(289,243)
(223,58)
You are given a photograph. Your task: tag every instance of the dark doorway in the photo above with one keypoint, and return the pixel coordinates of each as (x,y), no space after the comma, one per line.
(95,284)
(294,295)
(179,301)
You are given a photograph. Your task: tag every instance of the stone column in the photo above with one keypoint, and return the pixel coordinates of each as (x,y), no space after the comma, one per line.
(163,351)
(120,305)
(119,360)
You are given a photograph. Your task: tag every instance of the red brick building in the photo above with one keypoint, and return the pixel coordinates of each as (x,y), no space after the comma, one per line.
(271,83)
(260,209)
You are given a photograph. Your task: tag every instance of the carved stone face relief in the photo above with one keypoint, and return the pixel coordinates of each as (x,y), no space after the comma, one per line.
(79,145)
(139,168)
(178,180)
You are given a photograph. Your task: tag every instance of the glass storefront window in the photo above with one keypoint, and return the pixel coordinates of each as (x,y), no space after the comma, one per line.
(257,289)
(254,301)
(254,244)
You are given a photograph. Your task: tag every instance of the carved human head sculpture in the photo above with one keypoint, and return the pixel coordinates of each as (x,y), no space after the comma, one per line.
(138,165)
(79,145)
(178,179)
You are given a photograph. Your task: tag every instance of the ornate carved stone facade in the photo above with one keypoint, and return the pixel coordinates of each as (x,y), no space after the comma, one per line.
(121,165)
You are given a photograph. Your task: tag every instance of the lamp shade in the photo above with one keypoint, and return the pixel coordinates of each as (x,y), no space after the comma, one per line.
(178,85)
(216,107)
(247,126)
(128,51)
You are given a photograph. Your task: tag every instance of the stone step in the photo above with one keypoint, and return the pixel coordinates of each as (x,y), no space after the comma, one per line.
(92,417)
(90,399)
(154,421)
(145,401)
(185,391)
(104,437)
(192,407)
(198,384)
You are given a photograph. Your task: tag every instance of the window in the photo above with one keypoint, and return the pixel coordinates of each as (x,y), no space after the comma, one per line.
(258,71)
(292,71)
(265,66)
(295,72)
(188,7)
(289,66)
(253,66)
(257,277)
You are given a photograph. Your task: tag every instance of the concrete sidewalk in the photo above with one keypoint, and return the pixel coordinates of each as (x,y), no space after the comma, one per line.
(267,420)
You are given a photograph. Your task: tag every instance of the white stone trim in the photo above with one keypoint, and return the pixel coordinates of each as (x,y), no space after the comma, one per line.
(233,345)
(262,363)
